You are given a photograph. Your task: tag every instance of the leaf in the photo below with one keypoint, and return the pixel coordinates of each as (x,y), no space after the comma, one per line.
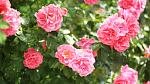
(2,37)
(3,25)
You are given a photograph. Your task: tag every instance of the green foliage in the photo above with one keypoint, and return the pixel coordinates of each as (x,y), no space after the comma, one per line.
(82,20)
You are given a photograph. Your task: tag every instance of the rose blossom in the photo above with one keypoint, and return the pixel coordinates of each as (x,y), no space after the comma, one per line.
(32,58)
(91,2)
(126,4)
(140,5)
(112,29)
(65,53)
(4,6)
(131,20)
(83,64)
(127,76)
(85,43)
(12,17)
(147,53)
(122,43)
(50,17)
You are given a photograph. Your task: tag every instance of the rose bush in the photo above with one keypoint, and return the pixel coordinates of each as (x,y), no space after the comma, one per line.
(74,42)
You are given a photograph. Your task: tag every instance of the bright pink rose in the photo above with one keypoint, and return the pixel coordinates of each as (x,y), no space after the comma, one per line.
(91,2)
(65,53)
(140,5)
(122,43)
(147,53)
(12,17)
(126,4)
(127,76)
(83,64)
(112,29)
(4,6)
(85,43)
(50,17)
(32,58)
(148,82)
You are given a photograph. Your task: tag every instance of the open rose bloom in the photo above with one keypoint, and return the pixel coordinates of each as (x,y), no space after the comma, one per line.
(91,2)
(80,60)
(32,59)
(12,17)
(4,6)
(50,17)
(126,76)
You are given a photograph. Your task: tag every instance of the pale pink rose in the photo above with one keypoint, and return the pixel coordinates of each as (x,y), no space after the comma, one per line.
(85,43)
(12,17)
(122,43)
(91,2)
(148,82)
(126,4)
(83,64)
(32,58)
(147,53)
(129,13)
(65,53)
(126,76)
(131,20)
(50,17)
(140,5)
(121,80)
(4,6)
(130,74)
(112,29)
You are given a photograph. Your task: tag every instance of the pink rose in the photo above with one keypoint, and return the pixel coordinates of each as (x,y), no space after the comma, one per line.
(50,17)
(131,20)
(112,29)
(127,76)
(32,58)
(4,6)
(65,53)
(91,2)
(147,53)
(83,64)
(126,4)
(12,17)
(122,43)
(140,5)
(85,43)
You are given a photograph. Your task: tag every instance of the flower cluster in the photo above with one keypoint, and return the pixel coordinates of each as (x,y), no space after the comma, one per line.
(119,28)
(11,16)
(80,60)
(91,2)
(127,76)
(32,58)
(50,17)
(147,53)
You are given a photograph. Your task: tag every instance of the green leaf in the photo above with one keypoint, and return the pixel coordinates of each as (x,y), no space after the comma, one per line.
(3,25)
(2,37)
